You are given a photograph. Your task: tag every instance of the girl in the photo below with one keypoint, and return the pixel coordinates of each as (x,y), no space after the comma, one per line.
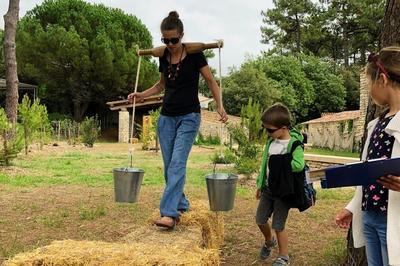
(375,209)
(180,114)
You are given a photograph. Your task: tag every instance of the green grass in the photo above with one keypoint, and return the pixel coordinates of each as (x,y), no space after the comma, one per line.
(335,194)
(95,169)
(51,221)
(335,252)
(86,213)
(322,151)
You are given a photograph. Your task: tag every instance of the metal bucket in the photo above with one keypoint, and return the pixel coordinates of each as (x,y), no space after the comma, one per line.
(221,190)
(127,182)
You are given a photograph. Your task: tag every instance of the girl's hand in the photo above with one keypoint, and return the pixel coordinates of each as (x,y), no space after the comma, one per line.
(222,113)
(258,193)
(138,95)
(390,182)
(343,218)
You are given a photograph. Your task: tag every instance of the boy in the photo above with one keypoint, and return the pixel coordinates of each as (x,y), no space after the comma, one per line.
(275,188)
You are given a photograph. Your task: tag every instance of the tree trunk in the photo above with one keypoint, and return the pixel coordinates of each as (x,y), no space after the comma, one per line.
(10,29)
(389,35)
(390,32)
(79,110)
(298,36)
(363,57)
(346,45)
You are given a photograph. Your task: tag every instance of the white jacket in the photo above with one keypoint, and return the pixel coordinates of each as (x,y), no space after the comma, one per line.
(393,211)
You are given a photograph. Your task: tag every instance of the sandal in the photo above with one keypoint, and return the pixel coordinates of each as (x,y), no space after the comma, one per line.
(166,223)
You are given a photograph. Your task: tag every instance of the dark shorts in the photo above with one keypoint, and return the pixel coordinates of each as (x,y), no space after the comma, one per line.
(270,206)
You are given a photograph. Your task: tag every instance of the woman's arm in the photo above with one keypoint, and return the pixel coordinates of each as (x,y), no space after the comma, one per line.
(215,90)
(155,89)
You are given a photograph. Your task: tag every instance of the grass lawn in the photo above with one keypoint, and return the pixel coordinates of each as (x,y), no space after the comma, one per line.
(66,192)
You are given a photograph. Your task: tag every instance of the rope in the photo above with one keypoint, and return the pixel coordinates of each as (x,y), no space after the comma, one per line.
(134,99)
(220,91)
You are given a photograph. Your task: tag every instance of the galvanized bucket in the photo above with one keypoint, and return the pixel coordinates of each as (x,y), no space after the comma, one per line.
(221,190)
(127,182)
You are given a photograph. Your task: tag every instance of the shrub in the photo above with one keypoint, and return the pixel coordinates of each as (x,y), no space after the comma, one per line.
(12,139)
(35,122)
(90,131)
(227,157)
(209,140)
(151,135)
(248,152)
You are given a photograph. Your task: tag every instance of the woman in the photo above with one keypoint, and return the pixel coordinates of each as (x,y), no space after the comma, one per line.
(179,121)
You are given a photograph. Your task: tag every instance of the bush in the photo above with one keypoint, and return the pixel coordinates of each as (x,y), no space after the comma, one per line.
(35,122)
(248,152)
(151,135)
(227,157)
(247,166)
(69,129)
(90,130)
(209,140)
(12,139)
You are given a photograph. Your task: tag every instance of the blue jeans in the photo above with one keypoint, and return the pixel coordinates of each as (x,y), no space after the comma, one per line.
(375,225)
(176,134)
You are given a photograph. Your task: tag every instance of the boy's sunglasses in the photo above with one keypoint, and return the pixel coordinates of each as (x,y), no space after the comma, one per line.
(170,40)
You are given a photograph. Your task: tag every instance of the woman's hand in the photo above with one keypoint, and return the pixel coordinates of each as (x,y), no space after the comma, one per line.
(391,182)
(343,218)
(138,95)
(258,193)
(223,115)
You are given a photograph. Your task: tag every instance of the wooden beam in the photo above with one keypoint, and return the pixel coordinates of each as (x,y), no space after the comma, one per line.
(152,100)
(316,175)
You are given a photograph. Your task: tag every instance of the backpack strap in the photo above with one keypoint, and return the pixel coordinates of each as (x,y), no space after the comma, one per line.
(296,144)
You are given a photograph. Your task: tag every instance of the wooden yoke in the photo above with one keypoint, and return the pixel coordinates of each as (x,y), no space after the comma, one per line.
(191,48)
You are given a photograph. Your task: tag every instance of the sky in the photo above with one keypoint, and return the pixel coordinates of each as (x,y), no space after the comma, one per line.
(237,22)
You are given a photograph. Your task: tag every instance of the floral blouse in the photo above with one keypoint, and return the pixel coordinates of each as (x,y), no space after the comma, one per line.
(375,196)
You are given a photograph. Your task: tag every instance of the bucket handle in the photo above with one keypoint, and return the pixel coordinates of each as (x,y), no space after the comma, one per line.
(215,166)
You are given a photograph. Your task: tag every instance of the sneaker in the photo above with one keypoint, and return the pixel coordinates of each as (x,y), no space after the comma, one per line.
(266,249)
(281,261)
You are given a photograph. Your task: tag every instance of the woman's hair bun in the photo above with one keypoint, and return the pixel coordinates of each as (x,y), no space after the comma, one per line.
(173,14)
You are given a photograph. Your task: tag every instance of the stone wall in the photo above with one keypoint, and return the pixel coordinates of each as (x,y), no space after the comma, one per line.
(338,135)
(208,128)
(123,126)
(364,97)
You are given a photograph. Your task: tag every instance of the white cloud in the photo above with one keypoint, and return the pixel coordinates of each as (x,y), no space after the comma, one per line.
(237,22)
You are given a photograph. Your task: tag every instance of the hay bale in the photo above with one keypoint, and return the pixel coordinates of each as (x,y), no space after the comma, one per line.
(88,253)
(184,237)
(211,223)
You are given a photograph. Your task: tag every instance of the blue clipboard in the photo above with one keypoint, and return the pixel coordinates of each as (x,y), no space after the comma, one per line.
(360,173)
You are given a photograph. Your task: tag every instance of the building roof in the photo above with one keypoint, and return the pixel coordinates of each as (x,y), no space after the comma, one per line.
(20,85)
(335,117)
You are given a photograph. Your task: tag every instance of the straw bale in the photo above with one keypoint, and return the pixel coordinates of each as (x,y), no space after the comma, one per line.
(184,237)
(211,223)
(90,253)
